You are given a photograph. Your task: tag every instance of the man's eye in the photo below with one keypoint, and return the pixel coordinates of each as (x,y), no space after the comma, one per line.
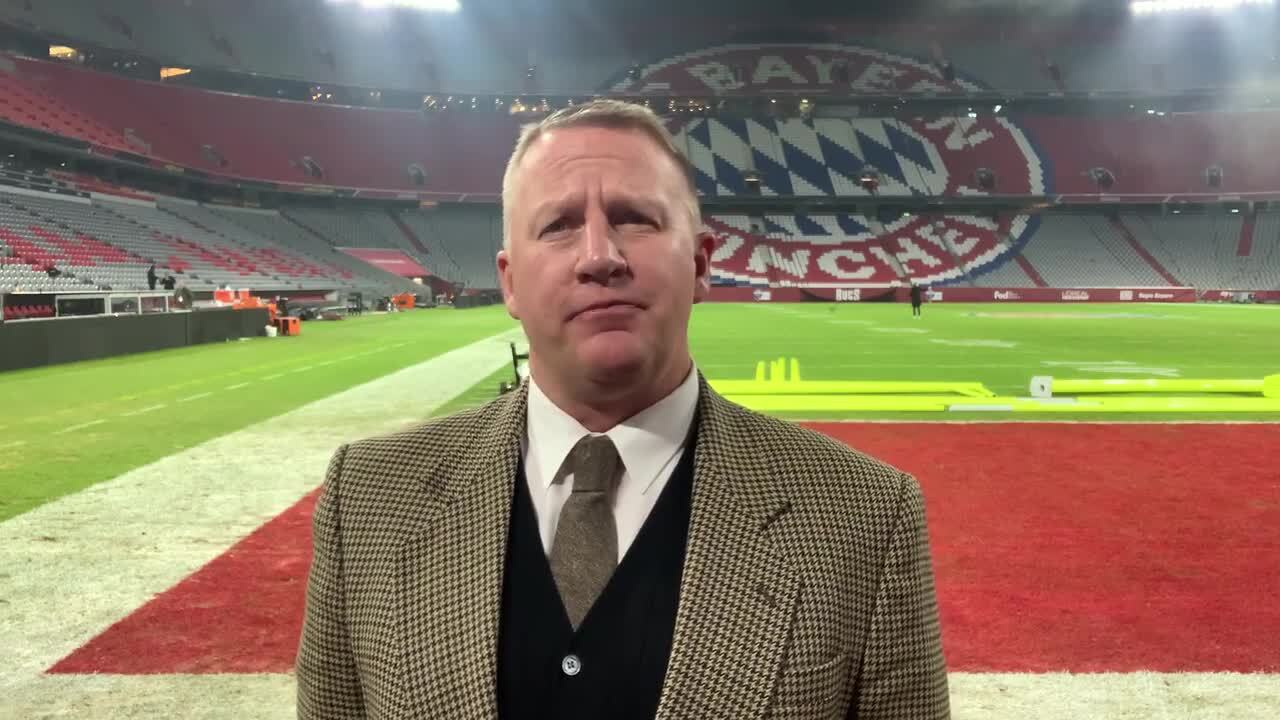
(630,217)
(556,226)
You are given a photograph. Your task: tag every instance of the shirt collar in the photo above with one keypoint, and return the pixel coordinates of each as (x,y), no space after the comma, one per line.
(646,441)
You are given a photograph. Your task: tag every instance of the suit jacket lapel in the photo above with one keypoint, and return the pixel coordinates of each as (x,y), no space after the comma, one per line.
(738,595)
(451,575)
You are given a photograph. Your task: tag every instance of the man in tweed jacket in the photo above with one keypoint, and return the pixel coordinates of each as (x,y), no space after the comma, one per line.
(806,589)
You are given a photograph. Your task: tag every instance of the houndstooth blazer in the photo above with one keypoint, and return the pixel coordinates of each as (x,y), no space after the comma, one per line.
(807,590)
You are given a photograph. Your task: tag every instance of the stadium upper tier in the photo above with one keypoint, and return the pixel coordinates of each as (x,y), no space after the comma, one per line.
(488,52)
(463,153)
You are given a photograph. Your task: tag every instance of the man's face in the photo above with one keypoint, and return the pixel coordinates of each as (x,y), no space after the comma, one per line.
(603,263)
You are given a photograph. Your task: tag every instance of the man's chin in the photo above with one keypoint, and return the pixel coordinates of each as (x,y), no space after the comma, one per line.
(613,356)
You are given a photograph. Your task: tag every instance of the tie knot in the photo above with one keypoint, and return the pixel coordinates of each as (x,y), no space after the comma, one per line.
(594,462)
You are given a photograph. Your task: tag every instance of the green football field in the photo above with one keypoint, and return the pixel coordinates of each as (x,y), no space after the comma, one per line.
(67,427)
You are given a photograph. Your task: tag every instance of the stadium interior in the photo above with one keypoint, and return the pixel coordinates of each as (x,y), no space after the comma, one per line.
(1084,192)
(877,156)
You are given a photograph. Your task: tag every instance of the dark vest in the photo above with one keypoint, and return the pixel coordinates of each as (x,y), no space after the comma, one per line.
(620,652)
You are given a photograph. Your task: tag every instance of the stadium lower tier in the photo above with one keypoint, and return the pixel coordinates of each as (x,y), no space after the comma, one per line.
(56,243)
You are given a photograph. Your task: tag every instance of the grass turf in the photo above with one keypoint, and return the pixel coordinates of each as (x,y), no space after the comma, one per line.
(151,405)
(1002,346)
(148,406)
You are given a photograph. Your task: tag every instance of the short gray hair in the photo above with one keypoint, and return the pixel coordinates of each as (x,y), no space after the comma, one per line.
(599,113)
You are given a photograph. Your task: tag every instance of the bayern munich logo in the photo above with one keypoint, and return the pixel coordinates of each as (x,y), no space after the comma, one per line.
(914,156)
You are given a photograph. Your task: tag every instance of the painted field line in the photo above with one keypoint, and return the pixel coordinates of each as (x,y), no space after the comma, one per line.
(13,444)
(326,363)
(273,377)
(811,365)
(81,426)
(304,368)
(928,418)
(128,539)
(237,386)
(145,410)
(189,398)
(974,696)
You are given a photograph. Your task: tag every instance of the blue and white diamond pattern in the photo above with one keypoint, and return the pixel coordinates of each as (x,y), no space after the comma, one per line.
(820,157)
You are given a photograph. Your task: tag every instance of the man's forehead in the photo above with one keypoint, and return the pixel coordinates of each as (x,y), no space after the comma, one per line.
(638,165)
(562,146)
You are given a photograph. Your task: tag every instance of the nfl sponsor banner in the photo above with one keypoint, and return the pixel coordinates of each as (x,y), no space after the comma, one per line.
(1069,295)
(1262,296)
(966,294)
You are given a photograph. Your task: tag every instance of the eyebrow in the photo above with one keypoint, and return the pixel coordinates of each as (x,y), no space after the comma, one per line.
(621,199)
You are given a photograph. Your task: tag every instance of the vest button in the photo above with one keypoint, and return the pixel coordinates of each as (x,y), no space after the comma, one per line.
(571,665)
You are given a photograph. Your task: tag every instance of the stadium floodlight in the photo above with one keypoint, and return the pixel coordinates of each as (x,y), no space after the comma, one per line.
(1150,7)
(427,5)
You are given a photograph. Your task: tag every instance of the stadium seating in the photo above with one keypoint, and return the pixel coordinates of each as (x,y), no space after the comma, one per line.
(268,258)
(463,153)
(105,245)
(108,245)
(1085,251)
(1264,254)
(269,227)
(442,261)
(28,312)
(464,237)
(25,103)
(841,249)
(462,242)
(1198,250)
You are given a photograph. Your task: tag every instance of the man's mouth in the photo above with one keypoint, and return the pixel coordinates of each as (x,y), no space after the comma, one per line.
(605,308)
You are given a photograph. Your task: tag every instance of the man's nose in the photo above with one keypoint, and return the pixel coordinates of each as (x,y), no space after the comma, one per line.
(600,259)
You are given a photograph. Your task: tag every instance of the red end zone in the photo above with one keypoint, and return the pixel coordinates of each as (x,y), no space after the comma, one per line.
(1075,547)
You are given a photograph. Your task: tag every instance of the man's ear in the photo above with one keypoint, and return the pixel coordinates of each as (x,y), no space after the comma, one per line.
(704,243)
(508,284)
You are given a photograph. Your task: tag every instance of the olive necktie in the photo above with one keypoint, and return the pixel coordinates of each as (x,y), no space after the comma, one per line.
(585,550)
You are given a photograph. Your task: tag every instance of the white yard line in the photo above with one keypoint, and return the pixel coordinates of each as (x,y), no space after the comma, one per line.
(304,368)
(121,542)
(928,417)
(1107,696)
(145,410)
(81,426)
(273,377)
(139,697)
(199,396)
(15,443)
(237,386)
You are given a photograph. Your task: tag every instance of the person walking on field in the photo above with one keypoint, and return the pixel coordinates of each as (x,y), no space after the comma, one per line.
(917,299)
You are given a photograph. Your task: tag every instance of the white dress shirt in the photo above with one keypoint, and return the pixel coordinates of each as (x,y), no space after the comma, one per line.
(650,444)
